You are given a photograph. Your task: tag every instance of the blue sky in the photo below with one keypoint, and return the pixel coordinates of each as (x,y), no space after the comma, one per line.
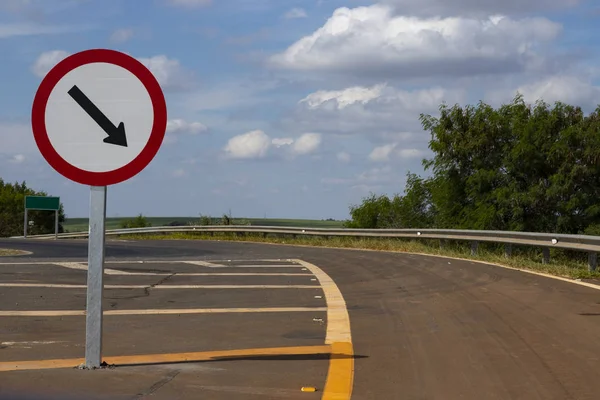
(294,108)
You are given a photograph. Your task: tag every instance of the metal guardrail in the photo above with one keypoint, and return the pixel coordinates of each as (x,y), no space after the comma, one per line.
(585,243)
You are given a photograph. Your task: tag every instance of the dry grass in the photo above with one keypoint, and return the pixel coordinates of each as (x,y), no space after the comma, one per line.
(562,263)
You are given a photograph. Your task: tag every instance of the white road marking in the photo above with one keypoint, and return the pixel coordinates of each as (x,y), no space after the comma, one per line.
(108,271)
(70,286)
(264,266)
(204,264)
(66,313)
(19,344)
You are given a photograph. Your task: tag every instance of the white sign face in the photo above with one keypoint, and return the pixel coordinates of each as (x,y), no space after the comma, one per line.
(99,117)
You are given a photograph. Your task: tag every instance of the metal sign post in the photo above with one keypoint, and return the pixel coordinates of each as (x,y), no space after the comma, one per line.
(99,118)
(95,278)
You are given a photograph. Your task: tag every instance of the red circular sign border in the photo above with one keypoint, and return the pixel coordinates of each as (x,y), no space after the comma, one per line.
(38,117)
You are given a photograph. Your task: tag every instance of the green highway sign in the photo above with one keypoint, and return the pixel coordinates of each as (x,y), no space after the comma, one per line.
(42,203)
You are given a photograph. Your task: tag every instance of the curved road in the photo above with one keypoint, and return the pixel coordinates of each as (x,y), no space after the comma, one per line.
(427,327)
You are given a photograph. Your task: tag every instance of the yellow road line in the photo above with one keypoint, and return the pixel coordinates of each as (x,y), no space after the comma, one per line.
(167,358)
(67,313)
(340,377)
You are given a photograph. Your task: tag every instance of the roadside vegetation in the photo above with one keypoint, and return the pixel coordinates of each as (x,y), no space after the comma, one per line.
(516,168)
(520,167)
(12,212)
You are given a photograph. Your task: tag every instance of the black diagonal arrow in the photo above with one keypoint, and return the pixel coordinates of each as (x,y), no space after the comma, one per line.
(116,134)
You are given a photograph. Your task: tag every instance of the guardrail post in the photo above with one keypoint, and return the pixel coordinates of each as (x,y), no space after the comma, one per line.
(507,250)
(546,255)
(474,247)
(442,244)
(592,261)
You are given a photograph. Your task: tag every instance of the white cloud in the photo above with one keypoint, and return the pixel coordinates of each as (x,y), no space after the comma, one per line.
(382,153)
(385,152)
(254,144)
(179,126)
(376,175)
(343,98)
(375,111)
(169,72)
(411,153)
(280,142)
(307,143)
(189,3)
(343,156)
(18,158)
(568,89)
(121,35)
(373,41)
(47,60)
(475,7)
(295,13)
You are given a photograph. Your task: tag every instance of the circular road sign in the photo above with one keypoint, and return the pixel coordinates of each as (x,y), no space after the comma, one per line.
(99,117)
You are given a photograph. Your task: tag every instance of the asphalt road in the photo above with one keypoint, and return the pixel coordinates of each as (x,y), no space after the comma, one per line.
(423,327)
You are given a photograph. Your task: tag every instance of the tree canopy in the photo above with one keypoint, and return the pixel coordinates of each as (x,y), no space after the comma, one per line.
(519,167)
(12,212)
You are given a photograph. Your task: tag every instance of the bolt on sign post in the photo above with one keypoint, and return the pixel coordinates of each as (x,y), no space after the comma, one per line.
(45,204)
(99,117)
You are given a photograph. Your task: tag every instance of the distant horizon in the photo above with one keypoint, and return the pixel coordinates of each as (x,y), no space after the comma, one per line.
(212,216)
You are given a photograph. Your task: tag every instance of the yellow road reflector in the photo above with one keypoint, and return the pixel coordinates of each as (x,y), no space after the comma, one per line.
(308,389)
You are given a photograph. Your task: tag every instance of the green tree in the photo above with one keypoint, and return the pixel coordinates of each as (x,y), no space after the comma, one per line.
(374,212)
(415,209)
(12,212)
(138,222)
(518,167)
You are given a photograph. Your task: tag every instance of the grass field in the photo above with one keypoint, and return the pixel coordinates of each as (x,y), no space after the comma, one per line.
(81,224)
(562,263)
